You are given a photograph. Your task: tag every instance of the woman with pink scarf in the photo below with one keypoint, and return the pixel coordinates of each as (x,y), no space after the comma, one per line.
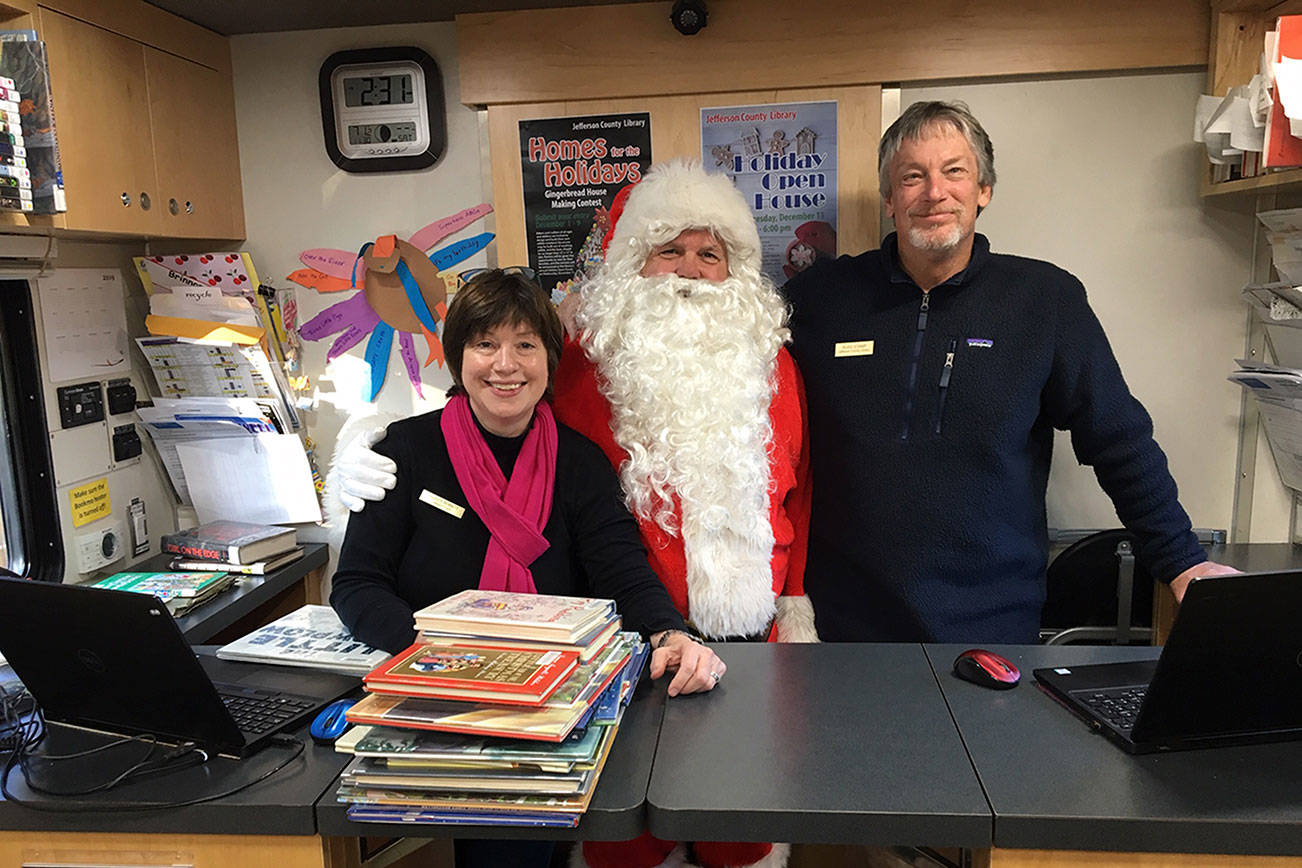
(493,493)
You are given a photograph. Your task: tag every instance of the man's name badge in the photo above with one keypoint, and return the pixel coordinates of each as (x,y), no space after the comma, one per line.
(427,496)
(853,348)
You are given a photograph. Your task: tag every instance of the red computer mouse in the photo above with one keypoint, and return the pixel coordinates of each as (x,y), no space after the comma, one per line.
(986,668)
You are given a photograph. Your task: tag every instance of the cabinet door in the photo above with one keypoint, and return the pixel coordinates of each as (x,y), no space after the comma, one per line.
(101,112)
(195,149)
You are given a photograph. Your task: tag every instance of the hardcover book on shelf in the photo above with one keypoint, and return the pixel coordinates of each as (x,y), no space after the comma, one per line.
(546,617)
(237,541)
(23,59)
(257,568)
(180,592)
(312,637)
(481,673)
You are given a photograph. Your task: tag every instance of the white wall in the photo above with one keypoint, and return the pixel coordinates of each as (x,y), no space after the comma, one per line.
(1100,176)
(295,198)
(1097,174)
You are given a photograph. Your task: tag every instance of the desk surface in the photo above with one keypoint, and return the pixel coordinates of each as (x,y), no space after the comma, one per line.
(280,805)
(817,743)
(617,812)
(1055,784)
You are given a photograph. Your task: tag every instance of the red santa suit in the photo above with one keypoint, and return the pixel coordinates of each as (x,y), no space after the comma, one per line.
(578,403)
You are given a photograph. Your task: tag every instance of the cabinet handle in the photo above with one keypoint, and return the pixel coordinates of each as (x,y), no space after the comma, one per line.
(144,201)
(173,207)
(189,207)
(126,200)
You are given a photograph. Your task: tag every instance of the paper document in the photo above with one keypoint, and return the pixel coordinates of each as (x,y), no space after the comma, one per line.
(85,324)
(263,479)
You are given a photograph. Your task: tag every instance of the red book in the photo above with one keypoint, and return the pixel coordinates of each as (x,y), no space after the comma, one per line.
(1282,148)
(479,673)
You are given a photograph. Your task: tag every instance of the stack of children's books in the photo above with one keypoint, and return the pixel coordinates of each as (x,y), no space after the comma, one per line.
(502,713)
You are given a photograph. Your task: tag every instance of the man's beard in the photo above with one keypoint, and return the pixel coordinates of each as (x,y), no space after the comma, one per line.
(935,240)
(688,367)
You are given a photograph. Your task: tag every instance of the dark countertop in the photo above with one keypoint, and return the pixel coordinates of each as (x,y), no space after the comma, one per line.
(817,743)
(1055,784)
(280,805)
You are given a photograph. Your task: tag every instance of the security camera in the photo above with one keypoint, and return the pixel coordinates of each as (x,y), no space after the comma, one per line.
(688,16)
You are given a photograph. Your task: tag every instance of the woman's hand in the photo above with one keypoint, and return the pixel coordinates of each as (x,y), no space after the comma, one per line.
(699,668)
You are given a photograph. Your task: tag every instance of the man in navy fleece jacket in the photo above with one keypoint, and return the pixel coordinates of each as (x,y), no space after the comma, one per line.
(936,372)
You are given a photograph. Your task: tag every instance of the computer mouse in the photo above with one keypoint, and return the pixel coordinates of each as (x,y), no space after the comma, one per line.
(987,669)
(330,723)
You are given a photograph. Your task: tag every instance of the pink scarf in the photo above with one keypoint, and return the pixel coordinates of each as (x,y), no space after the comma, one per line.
(515,511)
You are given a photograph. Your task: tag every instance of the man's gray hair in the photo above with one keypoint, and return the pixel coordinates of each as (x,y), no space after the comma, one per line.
(922,118)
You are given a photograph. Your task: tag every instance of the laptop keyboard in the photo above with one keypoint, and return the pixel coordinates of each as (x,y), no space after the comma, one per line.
(1118,706)
(259,712)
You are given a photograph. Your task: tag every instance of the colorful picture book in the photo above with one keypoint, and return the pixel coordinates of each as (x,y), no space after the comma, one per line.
(180,592)
(520,616)
(257,568)
(236,541)
(588,646)
(312,637)
(472,718)
(481,673)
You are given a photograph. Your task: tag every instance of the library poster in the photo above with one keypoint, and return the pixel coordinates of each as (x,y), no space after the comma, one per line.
(783,159)
(572,168)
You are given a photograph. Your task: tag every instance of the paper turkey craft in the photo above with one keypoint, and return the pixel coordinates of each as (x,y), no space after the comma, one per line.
(401,290)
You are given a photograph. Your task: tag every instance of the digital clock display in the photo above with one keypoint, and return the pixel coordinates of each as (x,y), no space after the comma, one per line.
(378,134)
(374,90)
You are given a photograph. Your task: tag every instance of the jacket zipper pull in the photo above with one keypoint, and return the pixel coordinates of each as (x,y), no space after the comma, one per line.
(945,373)
(922,312)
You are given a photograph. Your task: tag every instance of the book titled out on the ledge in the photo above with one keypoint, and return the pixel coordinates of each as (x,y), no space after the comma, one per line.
(547,617)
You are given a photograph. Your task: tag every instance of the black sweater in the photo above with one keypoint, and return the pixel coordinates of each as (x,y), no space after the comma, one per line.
(928,519)
(402,553)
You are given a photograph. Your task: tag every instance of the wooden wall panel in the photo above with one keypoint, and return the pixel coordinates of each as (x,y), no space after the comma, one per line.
(676,132)
(593,52)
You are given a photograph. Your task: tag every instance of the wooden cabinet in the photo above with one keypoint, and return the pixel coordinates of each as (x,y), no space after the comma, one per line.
(146,136)
(101,114)
(196,157)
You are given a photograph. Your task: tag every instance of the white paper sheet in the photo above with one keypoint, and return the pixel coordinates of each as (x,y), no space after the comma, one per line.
(264,479)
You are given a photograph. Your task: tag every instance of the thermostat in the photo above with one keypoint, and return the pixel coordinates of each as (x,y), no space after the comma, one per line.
(382,109)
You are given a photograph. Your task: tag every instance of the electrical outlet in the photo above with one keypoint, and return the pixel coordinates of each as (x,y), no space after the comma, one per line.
(99,547)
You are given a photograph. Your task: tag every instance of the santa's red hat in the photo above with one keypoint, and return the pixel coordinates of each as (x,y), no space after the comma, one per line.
(675,196)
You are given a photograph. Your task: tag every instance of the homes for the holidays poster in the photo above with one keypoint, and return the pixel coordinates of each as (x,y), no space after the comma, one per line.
(783,159)
(572,168)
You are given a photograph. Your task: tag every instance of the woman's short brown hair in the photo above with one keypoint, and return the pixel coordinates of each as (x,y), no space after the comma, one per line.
(494,298)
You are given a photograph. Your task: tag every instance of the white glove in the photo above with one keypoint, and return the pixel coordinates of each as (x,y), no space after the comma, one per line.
(364,474)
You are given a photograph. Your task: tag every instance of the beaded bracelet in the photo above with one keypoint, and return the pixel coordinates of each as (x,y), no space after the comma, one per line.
(664,637)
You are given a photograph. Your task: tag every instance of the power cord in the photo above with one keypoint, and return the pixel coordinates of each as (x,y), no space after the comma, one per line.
(20,734)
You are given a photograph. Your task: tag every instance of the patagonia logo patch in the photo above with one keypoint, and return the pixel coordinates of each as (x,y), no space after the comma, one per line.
(452,509)
(853,348)
(984,343)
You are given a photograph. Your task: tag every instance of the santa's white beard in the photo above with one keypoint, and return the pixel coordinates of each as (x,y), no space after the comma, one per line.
(688,367)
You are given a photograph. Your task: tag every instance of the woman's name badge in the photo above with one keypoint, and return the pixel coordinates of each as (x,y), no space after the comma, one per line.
(853,348)
(427,496)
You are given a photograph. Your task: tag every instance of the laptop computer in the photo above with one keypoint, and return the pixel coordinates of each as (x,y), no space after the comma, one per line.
(1230,672)
(116,661)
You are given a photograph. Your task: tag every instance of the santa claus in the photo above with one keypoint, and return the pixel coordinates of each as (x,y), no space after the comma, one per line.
(680,375)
